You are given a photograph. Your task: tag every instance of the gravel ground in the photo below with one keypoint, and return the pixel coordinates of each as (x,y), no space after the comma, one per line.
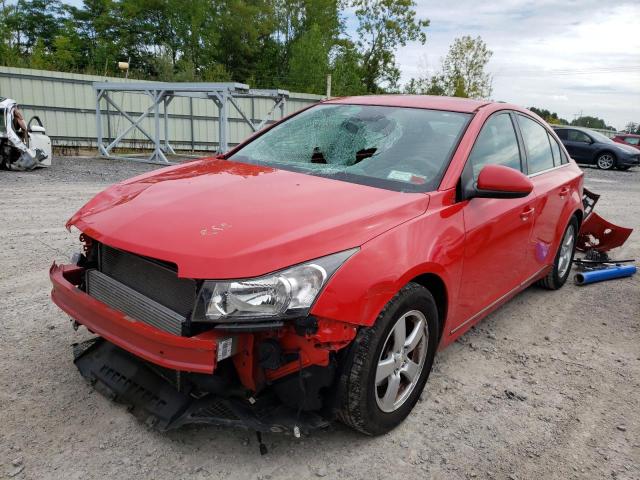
(546,387)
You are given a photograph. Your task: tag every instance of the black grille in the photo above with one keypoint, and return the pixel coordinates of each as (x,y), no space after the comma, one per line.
(152,278)
(215,409)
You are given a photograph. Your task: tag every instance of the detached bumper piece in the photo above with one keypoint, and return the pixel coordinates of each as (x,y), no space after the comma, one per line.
(127,379)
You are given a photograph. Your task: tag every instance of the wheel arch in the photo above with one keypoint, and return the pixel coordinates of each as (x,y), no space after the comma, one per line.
(579,214)
(435,284)
(605,150)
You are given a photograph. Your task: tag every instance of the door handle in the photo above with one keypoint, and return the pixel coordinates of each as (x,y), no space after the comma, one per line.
(564,191)
(527,213)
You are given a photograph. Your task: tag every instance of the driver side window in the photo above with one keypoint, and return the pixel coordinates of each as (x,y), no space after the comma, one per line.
(577,136)
(497,144)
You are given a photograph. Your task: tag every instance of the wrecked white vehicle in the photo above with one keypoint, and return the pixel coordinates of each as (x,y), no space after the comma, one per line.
(22,146)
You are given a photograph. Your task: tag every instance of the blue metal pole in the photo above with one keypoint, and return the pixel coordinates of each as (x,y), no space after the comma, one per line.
(610,273)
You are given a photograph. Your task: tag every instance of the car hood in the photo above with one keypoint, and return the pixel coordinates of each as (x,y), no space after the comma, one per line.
(215,218)
(627,148)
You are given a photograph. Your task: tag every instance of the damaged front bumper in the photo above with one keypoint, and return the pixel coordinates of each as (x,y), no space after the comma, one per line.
(171,380)
(158,403)
(191,354)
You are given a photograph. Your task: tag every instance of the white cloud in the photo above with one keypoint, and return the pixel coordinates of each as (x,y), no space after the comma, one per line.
(569,57)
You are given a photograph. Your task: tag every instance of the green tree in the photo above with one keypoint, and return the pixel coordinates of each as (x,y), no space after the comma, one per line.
(462,72)
(309,62)
(384,25)
(346,70)
(591,122)
(31,21)
(549,117)
(463,69)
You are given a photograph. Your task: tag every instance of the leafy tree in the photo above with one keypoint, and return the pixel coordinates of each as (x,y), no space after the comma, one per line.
(32,21)
(309,62)
(591,122)
(549,117)
(384,25)
(267,43)
(463,69)
(462,72)
(346,70)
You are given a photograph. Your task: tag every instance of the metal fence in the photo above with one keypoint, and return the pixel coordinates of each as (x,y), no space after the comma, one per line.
(66,103)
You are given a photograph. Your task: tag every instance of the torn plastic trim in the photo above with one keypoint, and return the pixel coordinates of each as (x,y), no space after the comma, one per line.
(596,233)
(126,379)
(599,234)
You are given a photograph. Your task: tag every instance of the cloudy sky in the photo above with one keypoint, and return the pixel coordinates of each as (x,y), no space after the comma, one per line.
(570,56)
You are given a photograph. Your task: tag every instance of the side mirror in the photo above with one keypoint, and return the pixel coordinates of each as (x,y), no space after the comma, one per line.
(37,129)
(498,181)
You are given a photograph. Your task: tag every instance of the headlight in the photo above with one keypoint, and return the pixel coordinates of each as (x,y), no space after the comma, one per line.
(284,294)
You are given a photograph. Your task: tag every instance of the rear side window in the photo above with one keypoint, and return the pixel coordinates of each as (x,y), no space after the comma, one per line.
(497,144)
(555,149)
(536,141)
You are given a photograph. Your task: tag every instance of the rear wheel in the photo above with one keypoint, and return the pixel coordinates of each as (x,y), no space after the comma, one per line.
(606,161)
(390,363)
(558,275)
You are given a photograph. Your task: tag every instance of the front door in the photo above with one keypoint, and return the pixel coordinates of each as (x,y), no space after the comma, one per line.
(578,145)
(497,230)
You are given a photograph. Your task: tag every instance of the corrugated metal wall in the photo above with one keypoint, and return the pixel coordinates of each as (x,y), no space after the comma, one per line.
(66,104)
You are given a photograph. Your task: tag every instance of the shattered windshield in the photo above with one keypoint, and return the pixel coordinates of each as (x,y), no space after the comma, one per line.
(403,149)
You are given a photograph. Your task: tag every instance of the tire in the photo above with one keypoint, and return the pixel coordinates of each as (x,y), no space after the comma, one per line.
(606,161)
(558,275)
(364,404)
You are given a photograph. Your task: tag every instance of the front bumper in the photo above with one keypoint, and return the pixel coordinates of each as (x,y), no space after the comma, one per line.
(189,354)
(630,161)
(152,399)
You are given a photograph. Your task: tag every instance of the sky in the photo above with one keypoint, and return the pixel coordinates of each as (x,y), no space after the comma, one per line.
(570,57)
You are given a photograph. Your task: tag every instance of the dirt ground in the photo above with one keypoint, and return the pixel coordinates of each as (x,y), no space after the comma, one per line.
(546,387)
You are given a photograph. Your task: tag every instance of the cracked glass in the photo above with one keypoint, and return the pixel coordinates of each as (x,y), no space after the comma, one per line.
(403,149)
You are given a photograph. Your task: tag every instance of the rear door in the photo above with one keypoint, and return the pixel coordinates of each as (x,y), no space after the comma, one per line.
(497,230)
(552,187)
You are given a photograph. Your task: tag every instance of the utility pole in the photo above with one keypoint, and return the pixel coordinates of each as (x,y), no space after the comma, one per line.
(329,86)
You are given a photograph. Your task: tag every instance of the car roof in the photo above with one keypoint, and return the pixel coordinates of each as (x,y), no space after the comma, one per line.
(432,102)
(634,135)
(571,127)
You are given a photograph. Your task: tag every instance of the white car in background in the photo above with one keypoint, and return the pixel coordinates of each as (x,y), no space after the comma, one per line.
(15,153)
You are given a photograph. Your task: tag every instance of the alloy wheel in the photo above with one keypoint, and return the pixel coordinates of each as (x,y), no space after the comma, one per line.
(605,161)
(566,251)
(401,361)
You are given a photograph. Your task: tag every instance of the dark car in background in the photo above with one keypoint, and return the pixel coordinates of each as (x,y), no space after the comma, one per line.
(592,148)
(628,139)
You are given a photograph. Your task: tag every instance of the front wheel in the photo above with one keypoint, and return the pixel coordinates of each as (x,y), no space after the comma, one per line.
(558,275)
(606,161)
(390,363)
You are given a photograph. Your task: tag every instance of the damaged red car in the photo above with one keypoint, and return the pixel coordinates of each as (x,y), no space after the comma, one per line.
(313,272)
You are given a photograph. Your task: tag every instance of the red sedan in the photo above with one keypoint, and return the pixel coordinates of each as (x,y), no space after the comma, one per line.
(628,139)
(314,271)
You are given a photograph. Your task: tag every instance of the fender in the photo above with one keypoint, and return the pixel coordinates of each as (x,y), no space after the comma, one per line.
(432,243)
